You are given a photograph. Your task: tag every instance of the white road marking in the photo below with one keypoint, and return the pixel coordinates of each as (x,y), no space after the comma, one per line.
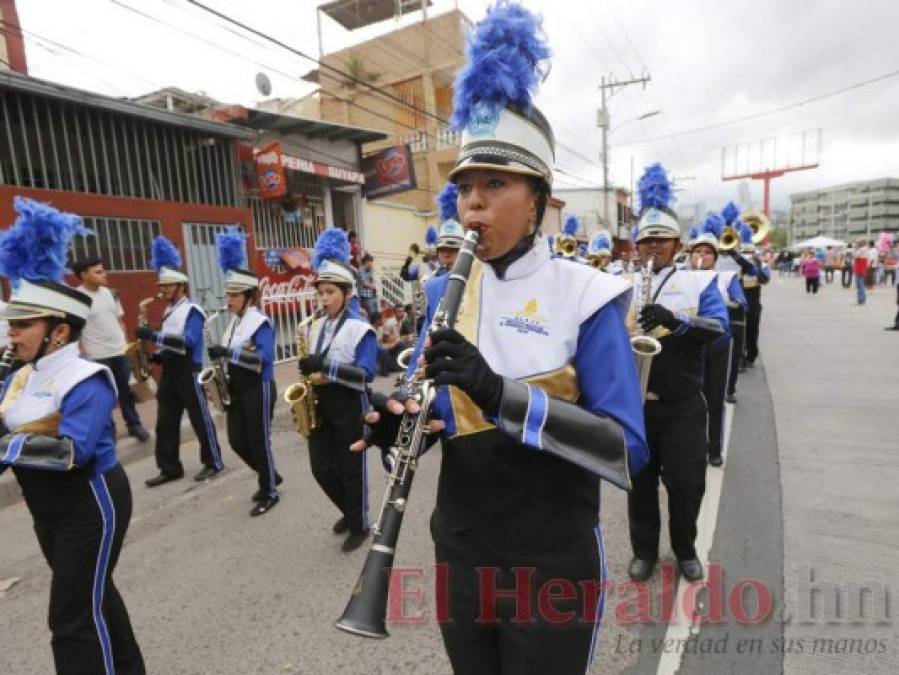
(681,628)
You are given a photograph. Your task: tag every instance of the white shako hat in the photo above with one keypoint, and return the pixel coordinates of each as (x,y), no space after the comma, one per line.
(331,258)
(507,57)
(657,219)
(33,257)
(166,261)
(230,248)
(709,233)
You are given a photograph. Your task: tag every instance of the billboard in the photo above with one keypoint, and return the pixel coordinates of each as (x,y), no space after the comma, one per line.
(270,172)
(388,172)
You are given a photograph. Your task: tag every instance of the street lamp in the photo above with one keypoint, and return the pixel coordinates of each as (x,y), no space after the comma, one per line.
(639,118)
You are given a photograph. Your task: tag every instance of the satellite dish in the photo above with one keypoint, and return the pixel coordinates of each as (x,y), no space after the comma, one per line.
(263,84)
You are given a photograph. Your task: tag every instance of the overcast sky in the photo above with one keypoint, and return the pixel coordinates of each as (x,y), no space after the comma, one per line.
(710,62)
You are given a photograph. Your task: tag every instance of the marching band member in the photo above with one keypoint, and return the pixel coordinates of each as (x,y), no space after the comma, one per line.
(719,354)
(599,253)
(687,313)
(543,397)
(753,275)
(248,347)
(180,351)
(417,271)
(344,360)
(57,435)
(451,235)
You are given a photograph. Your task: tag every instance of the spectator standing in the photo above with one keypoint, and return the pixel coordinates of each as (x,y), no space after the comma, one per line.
(368,291)
(812,273)
(873,260)
(355,249)
(846,270)
(891,262)
(860,272)
(103,338)
(830,259)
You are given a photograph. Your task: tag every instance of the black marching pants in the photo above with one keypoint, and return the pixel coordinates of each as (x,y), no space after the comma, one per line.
(340,473)
(80,521)
(715,382)
(249,425)
(737,328)
(179,390)
(558,636)
(676,434)
(846,276)
(753,319)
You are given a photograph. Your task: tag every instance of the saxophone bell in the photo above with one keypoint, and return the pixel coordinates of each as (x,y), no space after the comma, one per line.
(213,378)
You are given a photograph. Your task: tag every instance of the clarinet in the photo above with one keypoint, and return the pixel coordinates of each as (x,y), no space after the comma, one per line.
(7,361)
(366,611)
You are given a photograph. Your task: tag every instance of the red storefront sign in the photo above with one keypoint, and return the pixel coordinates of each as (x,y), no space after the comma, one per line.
(270,172)
(319,169)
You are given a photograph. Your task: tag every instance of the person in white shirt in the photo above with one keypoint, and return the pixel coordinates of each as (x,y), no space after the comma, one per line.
(103,338)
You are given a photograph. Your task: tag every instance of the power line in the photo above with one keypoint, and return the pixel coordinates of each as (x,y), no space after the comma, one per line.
(771,111)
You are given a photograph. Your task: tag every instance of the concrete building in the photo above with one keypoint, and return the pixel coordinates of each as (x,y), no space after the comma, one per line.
(586,204)
(848,211)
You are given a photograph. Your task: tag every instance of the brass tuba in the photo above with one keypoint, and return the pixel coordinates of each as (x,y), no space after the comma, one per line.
(730,239)
(139,358)
(566,246)
(644,346)
(213,378)
(759,224)
(300,396)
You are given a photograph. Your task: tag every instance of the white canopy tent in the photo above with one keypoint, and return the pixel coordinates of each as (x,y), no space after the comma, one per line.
(817,242)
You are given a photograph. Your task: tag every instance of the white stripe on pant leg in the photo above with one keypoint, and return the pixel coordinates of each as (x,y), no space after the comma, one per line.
(600,605)
(266,421)
(101,492)
(365,523)
(210,428)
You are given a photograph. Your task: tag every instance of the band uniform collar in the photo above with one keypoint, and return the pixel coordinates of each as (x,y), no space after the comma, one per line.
(57,358)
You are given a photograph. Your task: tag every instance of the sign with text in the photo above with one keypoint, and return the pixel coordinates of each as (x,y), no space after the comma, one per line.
(270,172)
(388,172)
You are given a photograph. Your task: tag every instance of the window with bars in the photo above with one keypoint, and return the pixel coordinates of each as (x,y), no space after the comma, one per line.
(122,244)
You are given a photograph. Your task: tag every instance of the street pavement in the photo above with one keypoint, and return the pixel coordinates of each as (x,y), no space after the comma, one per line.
(211,590)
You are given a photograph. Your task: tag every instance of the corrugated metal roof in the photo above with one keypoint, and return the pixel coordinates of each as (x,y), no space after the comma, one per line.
(30,85)
(290,124)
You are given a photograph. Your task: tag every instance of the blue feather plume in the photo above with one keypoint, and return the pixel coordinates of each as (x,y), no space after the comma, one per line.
(694,232)
(164,254)
(572,225)
(36,246)
(506,59)
(229,247)
(331,244)
(745,232)
(431,236)
(730,213)
(655,188)
(714,224)
(446,200)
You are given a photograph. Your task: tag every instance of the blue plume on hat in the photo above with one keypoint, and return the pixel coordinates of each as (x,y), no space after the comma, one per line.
(730,213)
(572,225)
(693,233)
(332,244)
(655,188)
(507,54)
(229,247)
(164,254)
(745,232)
(36,246)
(431,236)
(713,224)
(446,200)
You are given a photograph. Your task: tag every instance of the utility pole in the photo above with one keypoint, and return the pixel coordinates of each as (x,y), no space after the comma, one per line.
(602,121)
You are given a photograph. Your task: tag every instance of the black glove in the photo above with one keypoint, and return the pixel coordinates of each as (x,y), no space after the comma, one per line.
(383,433)
(217,352)
(312,364)
(454,360)
(144,333)
(656,315)
(155,357)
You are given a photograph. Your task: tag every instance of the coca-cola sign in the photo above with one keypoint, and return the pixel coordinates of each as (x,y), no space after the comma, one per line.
(389,171)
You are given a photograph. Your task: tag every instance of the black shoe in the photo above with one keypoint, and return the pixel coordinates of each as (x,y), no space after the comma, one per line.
(732,398)
(690,569)
(640,569)
(354,541)
(750,364)
(206,473)
(716,460)
(892,327)
(264,505)
(162,479)
(278,479)
(139,433)
(341,526)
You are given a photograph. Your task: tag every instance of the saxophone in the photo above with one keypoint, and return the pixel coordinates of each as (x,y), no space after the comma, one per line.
(213,378)
(300,396)
(644,346)
(139,358)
